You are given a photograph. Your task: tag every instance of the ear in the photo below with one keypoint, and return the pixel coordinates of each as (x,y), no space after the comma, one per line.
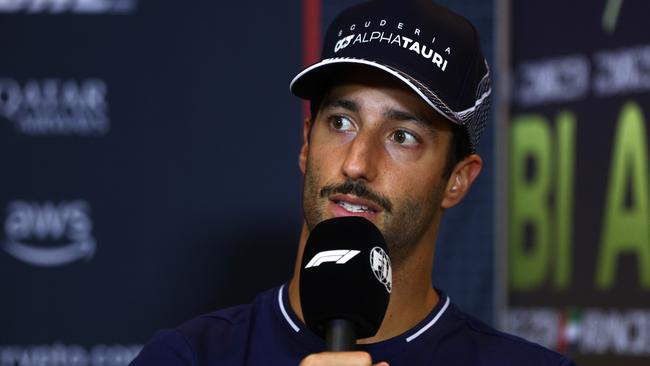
(461,179)
(304,150)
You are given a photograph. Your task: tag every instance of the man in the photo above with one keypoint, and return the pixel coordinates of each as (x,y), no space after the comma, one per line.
(398,105)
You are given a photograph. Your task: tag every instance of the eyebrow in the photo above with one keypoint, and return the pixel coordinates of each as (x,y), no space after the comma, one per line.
(398,115)
(341,103)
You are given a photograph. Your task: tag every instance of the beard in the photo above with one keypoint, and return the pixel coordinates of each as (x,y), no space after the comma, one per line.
(403,221)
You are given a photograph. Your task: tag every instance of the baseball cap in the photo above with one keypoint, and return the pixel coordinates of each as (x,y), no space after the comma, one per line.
(432,50)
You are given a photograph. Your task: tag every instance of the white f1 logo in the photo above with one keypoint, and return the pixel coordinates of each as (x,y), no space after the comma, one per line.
(340,256)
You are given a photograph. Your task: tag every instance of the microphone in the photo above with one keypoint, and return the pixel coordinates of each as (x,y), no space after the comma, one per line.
(345,281)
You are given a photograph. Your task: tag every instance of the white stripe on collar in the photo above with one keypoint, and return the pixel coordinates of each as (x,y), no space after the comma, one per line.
(431,323)
(409,339)
(284,312)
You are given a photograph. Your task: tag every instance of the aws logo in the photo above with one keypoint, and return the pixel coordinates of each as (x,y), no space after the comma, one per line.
(49,234)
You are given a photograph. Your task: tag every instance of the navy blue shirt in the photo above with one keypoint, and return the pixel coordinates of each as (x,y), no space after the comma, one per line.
(267,332)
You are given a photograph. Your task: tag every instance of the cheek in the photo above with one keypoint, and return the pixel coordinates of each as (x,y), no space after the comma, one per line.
(317,171)
(312,175)
(416,185)
(326,159)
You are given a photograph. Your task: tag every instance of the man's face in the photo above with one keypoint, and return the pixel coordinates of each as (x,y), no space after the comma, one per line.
(376,150)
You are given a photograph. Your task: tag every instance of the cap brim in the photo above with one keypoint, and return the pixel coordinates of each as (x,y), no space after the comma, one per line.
(313,79)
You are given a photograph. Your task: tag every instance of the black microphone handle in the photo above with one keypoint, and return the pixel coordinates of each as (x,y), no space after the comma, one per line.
(340,336)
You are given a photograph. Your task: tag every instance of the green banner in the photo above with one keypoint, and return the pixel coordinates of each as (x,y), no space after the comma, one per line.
(578,202)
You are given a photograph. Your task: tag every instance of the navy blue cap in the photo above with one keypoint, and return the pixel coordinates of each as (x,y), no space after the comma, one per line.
(432,50)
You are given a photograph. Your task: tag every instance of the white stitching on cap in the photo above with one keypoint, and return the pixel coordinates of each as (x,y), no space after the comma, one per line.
(459,115)
(464,118)
(379,66)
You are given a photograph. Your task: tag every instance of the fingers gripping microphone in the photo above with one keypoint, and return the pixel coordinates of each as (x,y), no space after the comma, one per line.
(345,281)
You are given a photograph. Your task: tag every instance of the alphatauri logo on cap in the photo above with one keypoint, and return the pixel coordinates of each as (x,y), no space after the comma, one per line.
(380,264)
(395,34)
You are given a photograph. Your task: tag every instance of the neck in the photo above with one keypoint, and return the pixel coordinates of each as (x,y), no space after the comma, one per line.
(412,297)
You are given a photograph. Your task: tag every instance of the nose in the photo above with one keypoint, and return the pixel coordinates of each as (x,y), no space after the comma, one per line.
(361,159)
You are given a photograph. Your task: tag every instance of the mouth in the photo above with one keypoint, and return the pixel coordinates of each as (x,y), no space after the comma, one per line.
(353,208)
(349,205)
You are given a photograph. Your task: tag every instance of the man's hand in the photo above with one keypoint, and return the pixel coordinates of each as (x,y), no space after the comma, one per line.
(340,359)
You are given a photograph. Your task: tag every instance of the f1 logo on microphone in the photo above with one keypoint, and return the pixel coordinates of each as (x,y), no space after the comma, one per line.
(339,256)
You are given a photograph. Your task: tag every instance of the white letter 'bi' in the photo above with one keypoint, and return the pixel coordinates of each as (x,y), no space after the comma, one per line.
(340,256)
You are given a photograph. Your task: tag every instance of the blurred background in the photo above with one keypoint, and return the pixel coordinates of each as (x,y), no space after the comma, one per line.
(148,154)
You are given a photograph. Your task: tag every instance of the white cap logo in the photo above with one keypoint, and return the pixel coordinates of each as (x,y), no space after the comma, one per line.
(342,43)
(380,265)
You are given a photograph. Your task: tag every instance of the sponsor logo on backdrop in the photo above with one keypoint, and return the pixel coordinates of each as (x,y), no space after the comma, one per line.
(394,34)
(594,331)
(48,233)
(59,354)
(55,107)
(68,6)
(578,209)
(571,78)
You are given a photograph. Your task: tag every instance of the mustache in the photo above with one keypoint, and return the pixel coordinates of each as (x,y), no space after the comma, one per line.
(360,190)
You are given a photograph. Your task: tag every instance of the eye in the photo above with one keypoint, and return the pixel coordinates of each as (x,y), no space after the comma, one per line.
(404,138)
(341,123)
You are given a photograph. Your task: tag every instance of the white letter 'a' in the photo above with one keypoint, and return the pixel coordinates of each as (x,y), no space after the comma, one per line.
(340,256)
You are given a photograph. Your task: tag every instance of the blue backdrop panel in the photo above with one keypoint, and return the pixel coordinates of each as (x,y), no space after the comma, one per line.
(149,164)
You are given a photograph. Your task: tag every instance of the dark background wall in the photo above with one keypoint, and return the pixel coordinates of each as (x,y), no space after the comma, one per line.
(149,171)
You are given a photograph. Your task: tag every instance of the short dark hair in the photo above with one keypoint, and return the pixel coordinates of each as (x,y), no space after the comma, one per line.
(459,147)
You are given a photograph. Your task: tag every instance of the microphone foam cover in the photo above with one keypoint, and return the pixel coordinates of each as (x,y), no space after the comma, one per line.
(345,274)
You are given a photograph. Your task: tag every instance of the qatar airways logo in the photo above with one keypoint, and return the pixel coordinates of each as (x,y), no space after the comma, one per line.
(55,107)
(54,7)
(49,234)
(400,38)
